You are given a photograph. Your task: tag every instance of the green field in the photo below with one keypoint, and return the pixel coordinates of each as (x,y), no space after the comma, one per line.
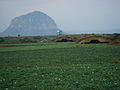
(59,66)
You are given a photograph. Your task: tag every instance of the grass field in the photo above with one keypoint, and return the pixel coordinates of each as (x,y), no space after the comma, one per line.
(59,66)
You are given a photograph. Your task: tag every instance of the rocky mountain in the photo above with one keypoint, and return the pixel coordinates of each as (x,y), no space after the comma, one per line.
(32,24)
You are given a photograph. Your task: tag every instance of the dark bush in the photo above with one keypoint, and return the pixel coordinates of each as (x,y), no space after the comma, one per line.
(2,40)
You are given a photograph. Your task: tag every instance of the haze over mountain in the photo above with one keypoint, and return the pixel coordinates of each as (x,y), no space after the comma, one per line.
(32,24)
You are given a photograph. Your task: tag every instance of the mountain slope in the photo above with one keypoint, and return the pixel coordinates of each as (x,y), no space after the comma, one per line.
(32,24)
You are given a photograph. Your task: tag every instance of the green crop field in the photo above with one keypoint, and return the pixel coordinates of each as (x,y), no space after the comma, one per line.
(59,66)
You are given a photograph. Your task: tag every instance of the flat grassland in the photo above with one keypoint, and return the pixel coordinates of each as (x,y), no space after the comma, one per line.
(59,66)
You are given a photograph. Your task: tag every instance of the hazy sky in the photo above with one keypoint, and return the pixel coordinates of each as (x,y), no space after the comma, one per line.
(71,16)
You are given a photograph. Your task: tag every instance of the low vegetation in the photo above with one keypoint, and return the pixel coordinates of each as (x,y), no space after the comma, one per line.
(59,66)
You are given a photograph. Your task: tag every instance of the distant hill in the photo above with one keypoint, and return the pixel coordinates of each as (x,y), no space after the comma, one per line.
(32,24)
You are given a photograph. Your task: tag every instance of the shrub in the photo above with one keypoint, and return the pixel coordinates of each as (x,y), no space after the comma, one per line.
(25,39)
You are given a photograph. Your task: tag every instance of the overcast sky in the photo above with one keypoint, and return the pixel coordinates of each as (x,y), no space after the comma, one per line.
(71,16)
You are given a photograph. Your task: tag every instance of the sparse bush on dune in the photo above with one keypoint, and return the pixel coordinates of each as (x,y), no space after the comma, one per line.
(40,38)
(115,39)
(116,61)
(36,37)
(65,38)
(26,39)
(93,39)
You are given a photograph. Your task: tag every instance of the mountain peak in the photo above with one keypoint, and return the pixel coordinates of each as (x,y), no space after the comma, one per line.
(36,13)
